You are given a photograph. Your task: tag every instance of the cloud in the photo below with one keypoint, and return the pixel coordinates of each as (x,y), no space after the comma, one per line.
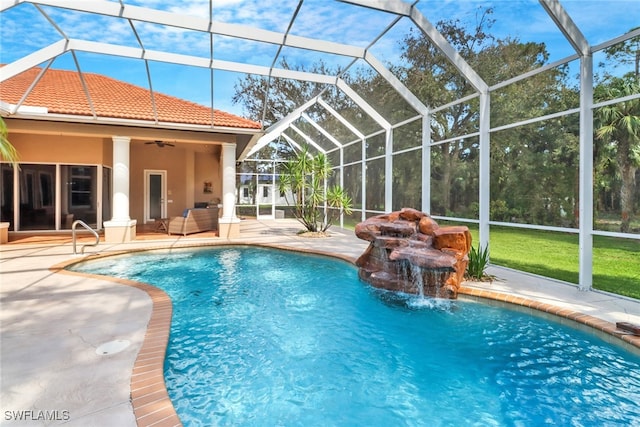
(19,39)
(24,29)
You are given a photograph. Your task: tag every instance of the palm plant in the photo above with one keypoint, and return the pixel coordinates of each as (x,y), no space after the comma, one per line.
(619,124)
(7,151)
(304,178)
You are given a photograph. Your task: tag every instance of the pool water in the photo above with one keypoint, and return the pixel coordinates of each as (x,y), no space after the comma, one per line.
(267,337)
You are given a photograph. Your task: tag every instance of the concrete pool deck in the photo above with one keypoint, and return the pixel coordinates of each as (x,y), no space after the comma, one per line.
(73,347)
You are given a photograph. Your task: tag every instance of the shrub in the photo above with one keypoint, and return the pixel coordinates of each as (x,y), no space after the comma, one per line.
(478,261)
(315,206)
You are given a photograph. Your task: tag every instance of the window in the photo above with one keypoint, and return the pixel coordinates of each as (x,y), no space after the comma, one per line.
(80,199)
(37,196)
(46,189)
(81,184)
(6,194)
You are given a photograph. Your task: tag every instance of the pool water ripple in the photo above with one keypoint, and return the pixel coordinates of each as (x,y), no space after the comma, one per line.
(267,337)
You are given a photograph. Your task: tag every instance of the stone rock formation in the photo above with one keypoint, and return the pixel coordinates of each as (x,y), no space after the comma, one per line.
(409,252)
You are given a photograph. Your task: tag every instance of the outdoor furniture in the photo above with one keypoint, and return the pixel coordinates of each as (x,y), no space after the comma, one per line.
(162,225)
(194,221)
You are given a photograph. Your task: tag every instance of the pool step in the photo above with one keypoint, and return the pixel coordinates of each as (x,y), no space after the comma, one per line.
(628,327)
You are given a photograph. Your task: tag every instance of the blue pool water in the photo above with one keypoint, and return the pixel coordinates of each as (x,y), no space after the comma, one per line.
(265,337)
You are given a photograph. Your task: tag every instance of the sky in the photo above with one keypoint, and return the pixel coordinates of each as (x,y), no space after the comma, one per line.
(25,29)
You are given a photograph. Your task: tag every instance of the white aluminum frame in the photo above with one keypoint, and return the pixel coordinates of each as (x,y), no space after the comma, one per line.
(401,9)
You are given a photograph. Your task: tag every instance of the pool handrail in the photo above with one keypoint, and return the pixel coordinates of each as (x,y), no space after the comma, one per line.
(73,235)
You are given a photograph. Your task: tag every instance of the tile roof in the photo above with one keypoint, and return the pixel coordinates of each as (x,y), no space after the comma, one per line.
(61,92)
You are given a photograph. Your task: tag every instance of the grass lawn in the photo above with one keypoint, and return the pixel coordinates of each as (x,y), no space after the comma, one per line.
(616,262)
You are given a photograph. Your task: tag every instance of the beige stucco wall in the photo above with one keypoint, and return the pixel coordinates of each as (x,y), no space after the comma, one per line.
(183,190)
(62,149)
(150,157)
(179,163)
(194,160)
(207,169)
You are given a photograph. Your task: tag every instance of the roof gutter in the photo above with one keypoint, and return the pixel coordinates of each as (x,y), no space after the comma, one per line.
(40,113)
(9,110)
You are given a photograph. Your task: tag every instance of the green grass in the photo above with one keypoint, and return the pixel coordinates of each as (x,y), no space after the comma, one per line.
(616,262)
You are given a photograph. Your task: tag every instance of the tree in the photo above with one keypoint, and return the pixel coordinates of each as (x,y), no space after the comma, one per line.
(619,125)
(304,179)
(535,171)
(281,95)
(617,129)
(514,178)
(627,52)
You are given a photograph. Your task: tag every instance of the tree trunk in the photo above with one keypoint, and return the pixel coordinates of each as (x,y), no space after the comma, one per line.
(627,190)
(628,174)
(446,186)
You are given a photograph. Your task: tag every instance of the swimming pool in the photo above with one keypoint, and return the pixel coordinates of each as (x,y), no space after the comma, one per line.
(267,337)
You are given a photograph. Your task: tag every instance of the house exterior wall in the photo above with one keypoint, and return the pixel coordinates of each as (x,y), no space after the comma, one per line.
(192,162)
(207,170)
(263,195)
(179,163)
(187,170)
(151,157)
(38,148)
(57,180)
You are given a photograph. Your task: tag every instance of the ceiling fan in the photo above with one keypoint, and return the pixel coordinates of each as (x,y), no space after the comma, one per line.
(161,144)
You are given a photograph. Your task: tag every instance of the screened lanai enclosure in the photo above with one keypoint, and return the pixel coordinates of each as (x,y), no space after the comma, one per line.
(516,114)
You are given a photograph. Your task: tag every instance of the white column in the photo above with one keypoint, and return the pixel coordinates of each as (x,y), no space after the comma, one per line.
(229,181)
(58,197)
(99,196)
(121,228)
(388,171)
(341,171)
(585,226)
(229,223)
(363,179)
(121,178)
(426,164)
(484,197)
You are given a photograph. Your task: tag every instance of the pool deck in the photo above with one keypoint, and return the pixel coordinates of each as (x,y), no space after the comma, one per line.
(56,369)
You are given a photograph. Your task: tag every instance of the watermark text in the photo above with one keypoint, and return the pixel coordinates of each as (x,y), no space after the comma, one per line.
(37,415)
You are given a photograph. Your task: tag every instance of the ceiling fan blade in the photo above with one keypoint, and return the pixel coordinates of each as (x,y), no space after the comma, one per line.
(161,144)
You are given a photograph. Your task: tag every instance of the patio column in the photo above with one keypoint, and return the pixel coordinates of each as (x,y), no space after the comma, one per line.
(229,223)
(121,228)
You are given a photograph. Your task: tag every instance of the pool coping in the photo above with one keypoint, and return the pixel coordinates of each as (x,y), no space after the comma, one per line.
(149,398)
(148,393)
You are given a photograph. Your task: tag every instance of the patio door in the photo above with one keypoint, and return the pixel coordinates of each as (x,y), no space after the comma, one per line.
(155,199)
(264,196)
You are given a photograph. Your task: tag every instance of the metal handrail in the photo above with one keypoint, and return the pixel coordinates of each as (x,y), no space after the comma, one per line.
(73,234)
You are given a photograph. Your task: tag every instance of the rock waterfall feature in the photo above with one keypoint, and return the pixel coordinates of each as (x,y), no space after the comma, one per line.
(409,252)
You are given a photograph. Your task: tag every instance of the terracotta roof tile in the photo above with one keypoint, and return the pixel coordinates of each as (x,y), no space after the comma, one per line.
(61,92)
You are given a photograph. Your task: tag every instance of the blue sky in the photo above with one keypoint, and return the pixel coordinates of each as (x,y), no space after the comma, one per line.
(24,30)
